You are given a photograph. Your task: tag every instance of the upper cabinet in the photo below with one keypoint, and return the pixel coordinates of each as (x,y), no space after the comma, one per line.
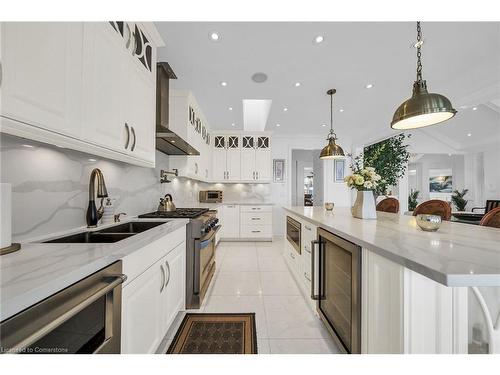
(186,119)
(41,75)
(242,157)
(84,86)
(256,158)
(227,158)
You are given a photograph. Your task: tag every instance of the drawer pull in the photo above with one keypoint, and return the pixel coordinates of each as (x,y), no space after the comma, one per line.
(255,208)
(256,231)
(255,218)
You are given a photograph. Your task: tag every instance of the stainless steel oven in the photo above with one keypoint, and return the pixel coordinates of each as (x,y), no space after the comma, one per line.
(293,233)
(336,285)
(83,318)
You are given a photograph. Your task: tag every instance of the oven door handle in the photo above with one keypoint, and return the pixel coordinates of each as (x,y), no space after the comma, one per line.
(35,336)
(315,258)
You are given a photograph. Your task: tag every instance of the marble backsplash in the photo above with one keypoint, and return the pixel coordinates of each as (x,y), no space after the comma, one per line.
(50,187)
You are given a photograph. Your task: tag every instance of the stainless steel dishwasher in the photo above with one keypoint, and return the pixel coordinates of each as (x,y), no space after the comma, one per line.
(83,318)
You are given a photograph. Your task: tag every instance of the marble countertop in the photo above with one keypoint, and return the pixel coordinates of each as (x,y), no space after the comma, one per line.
(456,255)
(39,270)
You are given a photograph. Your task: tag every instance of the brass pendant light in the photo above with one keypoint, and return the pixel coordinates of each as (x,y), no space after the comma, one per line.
(423,108)
(331,150)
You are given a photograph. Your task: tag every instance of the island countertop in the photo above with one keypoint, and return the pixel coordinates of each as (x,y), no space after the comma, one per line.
(456,255)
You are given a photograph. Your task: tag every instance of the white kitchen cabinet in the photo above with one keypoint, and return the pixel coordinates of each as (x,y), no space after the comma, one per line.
(104,70)
(118,93)
(230,221)
(141,312)
(188,122)
(255,158)
(42,75)
(226,158)
(83,86)
(154,292)
(175,285)
(382,304)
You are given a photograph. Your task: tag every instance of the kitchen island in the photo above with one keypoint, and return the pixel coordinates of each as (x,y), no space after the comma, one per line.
(415,286)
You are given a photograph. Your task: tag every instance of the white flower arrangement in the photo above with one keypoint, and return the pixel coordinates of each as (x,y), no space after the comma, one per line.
(363,179)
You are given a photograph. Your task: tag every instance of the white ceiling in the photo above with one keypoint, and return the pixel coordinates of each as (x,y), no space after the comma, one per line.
(460,60)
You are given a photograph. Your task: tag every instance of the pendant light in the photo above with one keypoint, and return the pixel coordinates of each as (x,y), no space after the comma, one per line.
(331,150)
(423,108)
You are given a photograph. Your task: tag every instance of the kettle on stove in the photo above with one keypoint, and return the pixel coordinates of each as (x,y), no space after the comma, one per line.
(166,204)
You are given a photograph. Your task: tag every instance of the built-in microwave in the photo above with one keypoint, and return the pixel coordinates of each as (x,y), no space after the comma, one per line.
(210,196)
(293,229)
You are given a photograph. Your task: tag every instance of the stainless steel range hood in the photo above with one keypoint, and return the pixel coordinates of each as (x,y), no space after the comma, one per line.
(167,141)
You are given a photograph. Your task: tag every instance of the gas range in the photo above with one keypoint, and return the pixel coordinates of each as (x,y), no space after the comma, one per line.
(179,213)
(202,221)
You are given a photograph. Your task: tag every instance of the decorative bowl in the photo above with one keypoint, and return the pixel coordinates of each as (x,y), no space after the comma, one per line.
(428,223)
(329,206)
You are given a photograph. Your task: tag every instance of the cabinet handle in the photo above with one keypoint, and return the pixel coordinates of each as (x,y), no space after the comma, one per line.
(168,269)
(255,208)
(307,278)
(128,136)
(292,256)
(315,290)
(255,218)
(308,228)
(133,133)
(256,231)
(228,175)
(306,248)
(162,278)
(257,174)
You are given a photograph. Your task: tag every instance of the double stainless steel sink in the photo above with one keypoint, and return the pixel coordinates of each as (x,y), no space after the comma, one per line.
(109,235)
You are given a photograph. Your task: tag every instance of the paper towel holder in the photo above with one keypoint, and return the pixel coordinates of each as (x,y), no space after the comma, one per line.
(10,249)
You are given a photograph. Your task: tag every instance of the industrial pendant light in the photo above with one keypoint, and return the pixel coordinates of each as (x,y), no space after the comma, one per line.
(422,109)
(331,150)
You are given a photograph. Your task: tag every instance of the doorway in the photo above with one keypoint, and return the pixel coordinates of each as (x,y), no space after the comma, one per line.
(307,178)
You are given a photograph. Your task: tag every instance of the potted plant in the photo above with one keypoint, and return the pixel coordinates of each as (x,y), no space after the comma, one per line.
(365,181)
(389,158)
(458,199)
(412,200)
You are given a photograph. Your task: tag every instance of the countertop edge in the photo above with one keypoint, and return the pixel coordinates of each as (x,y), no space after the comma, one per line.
(23,300)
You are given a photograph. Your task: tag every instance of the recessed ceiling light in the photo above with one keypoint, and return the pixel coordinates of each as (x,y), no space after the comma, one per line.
(319,39)
(214,36)
(449,154)
(323,125)
(233,124)
(92,160)
(285,109)
(230,108)
(297,84)
(474,108)
(278,125)
(469,134)
(172,141)
(223,83)
(341,110)
(463,106)
(28,146)
(369,86)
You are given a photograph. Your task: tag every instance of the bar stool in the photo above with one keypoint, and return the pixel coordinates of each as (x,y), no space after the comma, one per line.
(388,205)
(434,207)
(491,219)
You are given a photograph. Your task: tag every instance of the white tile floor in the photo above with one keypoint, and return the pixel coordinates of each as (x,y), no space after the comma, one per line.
(253,277)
